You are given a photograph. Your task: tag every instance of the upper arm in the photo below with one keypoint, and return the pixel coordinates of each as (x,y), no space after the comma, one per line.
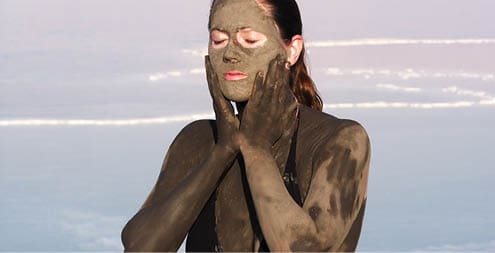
(185,153)
(339,183)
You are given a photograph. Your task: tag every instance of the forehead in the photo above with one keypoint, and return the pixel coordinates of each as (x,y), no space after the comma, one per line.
(238,14)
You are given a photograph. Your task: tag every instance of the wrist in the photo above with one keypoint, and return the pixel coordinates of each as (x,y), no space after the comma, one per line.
(256,157)
(225,150)
(247,146)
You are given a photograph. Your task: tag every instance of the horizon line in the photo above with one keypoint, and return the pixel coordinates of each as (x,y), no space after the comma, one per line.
(398,41)
(211,115)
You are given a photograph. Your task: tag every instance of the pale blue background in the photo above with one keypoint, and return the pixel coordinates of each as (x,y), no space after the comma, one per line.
(72,188)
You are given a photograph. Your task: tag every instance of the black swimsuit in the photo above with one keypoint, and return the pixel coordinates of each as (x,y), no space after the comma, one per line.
(202,236)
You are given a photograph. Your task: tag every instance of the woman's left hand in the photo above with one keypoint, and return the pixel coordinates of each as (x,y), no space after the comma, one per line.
(271,110)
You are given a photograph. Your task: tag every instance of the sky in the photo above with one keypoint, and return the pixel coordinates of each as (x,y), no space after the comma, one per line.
(92,93)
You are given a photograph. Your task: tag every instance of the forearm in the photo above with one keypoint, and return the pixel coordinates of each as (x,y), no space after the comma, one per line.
(282,220)
(163,226)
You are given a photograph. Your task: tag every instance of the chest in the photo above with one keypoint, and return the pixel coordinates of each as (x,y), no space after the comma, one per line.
(228,221)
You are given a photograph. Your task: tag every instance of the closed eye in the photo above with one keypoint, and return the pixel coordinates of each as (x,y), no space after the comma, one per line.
(250,38)
(251,41)
(218,39)
(218,42)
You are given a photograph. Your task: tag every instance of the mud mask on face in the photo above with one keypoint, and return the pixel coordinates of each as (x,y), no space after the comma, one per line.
(229,17)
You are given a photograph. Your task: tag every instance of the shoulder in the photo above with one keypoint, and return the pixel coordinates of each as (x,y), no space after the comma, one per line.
(351,134)
(328,126)
(197,134)
(197,128)
(191,145)
(332,133)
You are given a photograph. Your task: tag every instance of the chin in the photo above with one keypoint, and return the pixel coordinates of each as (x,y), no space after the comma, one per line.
(238,99)
(237,96)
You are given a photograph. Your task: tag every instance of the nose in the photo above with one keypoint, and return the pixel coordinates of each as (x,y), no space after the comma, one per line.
(231,55)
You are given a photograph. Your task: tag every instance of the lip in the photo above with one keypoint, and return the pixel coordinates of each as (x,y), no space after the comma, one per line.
(234,75)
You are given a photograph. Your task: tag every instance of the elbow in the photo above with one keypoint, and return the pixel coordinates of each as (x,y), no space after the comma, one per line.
(311,241)
(136,238)
(126,236)
(314,241)
(131,238)
(309,244)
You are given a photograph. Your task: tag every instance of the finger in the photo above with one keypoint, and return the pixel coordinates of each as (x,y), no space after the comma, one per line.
(292,106)
(224,111)
(271,79)
(257,90)
(289,104)
(210,78)
(286,94)
(271,75)
(282,80)
(286,72)
(220,103)
(213,81)
(228,106)
(290,115)
(272,67)
(223,105)
(208,69)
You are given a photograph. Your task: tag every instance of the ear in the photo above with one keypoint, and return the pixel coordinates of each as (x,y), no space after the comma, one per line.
(294,49)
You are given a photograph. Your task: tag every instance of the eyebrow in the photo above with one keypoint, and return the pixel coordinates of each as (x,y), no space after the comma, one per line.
(225,31)
(218,29)
(244,28)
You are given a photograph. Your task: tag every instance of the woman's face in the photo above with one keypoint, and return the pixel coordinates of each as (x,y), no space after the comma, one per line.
(243,40)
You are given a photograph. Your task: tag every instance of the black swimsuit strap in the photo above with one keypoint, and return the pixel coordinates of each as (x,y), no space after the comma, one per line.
(290,174)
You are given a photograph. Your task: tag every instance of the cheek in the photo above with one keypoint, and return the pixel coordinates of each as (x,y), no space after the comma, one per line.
(263,56)
(216,59)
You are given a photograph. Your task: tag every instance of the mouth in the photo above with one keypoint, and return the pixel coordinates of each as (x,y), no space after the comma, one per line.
(234,75)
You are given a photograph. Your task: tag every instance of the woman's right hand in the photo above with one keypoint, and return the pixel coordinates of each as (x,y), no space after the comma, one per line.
(226,121)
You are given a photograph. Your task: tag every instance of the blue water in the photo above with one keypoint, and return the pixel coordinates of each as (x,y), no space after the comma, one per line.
(66,188)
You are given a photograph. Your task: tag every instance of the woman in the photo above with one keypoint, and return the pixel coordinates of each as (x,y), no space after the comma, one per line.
(279,176)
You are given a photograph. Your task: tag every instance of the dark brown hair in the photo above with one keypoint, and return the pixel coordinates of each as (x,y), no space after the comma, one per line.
(288,19)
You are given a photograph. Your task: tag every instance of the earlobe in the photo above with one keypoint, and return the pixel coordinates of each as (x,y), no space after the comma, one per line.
(294,49)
